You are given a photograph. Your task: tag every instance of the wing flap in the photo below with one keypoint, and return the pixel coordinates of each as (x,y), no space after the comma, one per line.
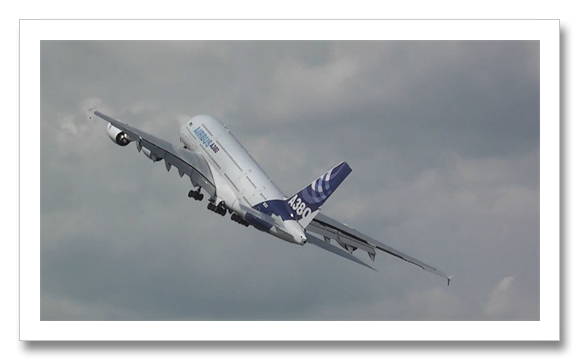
(340,237)
(333,249)
(341,232)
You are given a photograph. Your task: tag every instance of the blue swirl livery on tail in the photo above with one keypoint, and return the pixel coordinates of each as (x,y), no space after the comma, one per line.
(305,204)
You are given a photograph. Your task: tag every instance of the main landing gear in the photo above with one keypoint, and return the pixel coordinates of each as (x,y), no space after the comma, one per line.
(195,195)
(236,218)
(219,209)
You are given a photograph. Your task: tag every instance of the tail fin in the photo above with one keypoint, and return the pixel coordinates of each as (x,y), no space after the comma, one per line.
(307,202)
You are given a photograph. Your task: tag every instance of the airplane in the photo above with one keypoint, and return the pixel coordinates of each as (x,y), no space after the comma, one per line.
(218,164)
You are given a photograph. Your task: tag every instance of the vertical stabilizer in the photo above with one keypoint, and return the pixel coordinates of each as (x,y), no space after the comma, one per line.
(305,204)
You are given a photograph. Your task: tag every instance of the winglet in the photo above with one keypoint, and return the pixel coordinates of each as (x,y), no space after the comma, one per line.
(449,279)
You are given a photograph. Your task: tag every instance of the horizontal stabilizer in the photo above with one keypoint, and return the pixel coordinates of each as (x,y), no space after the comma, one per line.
(339,252)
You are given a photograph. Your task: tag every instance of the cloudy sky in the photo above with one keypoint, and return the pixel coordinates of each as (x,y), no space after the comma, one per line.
(442,137)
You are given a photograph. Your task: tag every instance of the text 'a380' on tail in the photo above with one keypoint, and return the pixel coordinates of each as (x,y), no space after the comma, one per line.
(306,203)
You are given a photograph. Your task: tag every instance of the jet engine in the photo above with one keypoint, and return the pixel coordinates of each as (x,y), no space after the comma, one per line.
(117,136)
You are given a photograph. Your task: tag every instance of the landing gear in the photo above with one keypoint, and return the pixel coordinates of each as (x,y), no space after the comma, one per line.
(221,210)
(195,195)
(236,218)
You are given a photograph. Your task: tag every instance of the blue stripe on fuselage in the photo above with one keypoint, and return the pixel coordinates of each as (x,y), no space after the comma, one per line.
(258,223)
(275,207)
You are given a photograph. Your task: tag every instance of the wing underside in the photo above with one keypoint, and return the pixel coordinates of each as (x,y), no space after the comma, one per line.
(350,239)
(187,162)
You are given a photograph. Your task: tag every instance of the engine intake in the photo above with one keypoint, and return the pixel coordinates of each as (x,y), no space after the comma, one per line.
(117,136)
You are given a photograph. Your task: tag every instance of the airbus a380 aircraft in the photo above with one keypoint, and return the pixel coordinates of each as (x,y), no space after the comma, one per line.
(216,162)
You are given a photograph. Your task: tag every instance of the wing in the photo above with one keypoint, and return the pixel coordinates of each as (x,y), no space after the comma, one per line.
(350,239)
(186,162)
(325,245)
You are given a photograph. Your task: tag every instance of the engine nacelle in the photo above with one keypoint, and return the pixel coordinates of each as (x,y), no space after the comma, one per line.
(117,136)
(151,155)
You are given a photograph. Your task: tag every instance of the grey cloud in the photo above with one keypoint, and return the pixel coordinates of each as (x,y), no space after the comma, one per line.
(443,139)
(506,302)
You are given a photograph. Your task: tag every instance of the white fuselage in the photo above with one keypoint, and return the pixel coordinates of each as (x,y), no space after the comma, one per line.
(239,181)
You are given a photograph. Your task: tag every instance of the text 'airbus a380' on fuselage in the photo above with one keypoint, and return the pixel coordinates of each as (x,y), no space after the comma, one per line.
(218,164)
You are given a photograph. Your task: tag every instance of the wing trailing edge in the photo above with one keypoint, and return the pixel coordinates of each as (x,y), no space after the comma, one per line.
(351,240)
(333,249)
